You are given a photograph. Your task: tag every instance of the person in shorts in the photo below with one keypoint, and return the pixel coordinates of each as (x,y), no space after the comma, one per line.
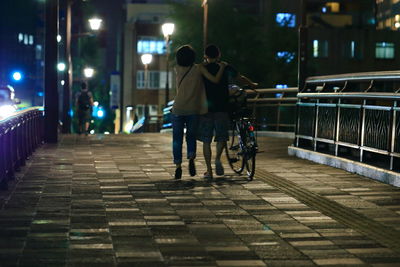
(216,122)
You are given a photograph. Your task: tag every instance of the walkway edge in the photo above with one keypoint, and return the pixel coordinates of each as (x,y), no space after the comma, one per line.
(372,172)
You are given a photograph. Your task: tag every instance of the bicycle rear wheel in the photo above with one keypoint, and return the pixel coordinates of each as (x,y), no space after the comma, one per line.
(234,151)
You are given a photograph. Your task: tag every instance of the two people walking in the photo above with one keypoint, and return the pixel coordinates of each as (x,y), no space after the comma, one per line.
(201,105)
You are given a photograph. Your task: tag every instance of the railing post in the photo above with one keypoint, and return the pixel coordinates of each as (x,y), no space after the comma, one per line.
(393,135)
(362,128)
(316,125)
(337,127)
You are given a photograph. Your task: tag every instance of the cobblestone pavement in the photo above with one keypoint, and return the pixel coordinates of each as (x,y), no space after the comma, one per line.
(111,201)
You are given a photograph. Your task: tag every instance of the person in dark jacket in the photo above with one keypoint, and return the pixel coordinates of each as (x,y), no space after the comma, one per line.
(84,104)
(216,122)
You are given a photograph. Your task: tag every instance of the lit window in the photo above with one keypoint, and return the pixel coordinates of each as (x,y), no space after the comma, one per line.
(334,7)
(20,37)
(153,81)
(150,46)
(384,50)
(140,83)
(286,20)
(26,39)
(286,56)
(352,49)
(320,48)
(31,39)
(280,86)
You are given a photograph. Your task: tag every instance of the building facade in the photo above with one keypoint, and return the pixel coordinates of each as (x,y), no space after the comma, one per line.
(388,14)
(22,49)
(144,86)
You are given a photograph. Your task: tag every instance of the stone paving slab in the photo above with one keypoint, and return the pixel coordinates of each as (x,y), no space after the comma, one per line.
(111,201)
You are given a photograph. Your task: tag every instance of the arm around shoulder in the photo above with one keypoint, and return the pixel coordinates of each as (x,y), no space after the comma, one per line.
(209,76)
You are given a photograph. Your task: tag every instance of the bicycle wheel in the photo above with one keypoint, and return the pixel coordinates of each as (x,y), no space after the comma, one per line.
(234,151)
(250,153)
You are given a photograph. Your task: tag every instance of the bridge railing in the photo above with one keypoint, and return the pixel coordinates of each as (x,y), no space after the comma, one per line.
(355,116)
(20,135)
(274,109)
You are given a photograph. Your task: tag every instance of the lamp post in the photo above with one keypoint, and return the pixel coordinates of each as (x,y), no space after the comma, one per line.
(205,22)
(146,60)
(95,25)
(51,95)
(302,62)
(167,29)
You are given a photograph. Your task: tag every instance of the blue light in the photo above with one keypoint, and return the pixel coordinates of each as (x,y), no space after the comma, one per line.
(17,76)
(151,47)
(287,56)
(286,20)
(100,113)
(280,86)
(40,94)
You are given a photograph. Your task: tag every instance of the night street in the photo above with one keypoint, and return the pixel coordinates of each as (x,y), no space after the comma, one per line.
(111,200)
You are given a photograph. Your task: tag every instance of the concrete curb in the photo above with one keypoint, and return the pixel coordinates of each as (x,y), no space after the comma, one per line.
(375,173)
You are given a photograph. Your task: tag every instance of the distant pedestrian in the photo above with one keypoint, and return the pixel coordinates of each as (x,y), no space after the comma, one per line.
(190,102)
(84,104)
(216,122)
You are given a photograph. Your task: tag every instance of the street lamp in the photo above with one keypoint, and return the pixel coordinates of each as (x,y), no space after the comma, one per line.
(61,66)
(205,22)
(167,29)
(95,24)
(88,72)
(146,60)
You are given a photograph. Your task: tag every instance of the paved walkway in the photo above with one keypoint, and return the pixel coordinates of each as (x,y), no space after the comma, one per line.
(111,201)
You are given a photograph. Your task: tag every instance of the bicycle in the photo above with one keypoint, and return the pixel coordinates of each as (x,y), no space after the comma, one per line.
(242,148)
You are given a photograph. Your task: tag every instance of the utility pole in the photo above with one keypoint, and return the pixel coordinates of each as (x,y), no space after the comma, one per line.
(205,23)
(303,39)
(66,116)
(51,93)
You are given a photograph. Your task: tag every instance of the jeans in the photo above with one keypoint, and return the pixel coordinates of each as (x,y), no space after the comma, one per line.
(179,122)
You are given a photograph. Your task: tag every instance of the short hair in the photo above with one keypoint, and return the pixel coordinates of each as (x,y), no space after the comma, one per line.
(83,86)
(212,51)
(185,56)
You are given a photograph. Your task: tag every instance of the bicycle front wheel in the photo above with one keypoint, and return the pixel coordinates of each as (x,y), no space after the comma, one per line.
(234,152)
(250,153)
(250,166)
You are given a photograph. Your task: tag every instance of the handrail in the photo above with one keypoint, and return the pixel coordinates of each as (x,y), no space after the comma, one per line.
(270,99)
(20,134)
(272,90)
(355,77)
(366,128)
(391,96)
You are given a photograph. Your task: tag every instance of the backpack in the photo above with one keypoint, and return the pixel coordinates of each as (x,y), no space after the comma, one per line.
(84,101)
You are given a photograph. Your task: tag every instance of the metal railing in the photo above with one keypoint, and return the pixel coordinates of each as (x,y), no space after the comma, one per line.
(354,116)
(20,135)
(273,109)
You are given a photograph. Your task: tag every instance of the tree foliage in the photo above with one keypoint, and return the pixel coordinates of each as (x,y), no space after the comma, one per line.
(242,37)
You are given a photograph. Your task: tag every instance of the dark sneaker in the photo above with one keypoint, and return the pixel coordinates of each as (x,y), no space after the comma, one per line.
(178,173)
(208,176)
(219,169)
(192,168)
